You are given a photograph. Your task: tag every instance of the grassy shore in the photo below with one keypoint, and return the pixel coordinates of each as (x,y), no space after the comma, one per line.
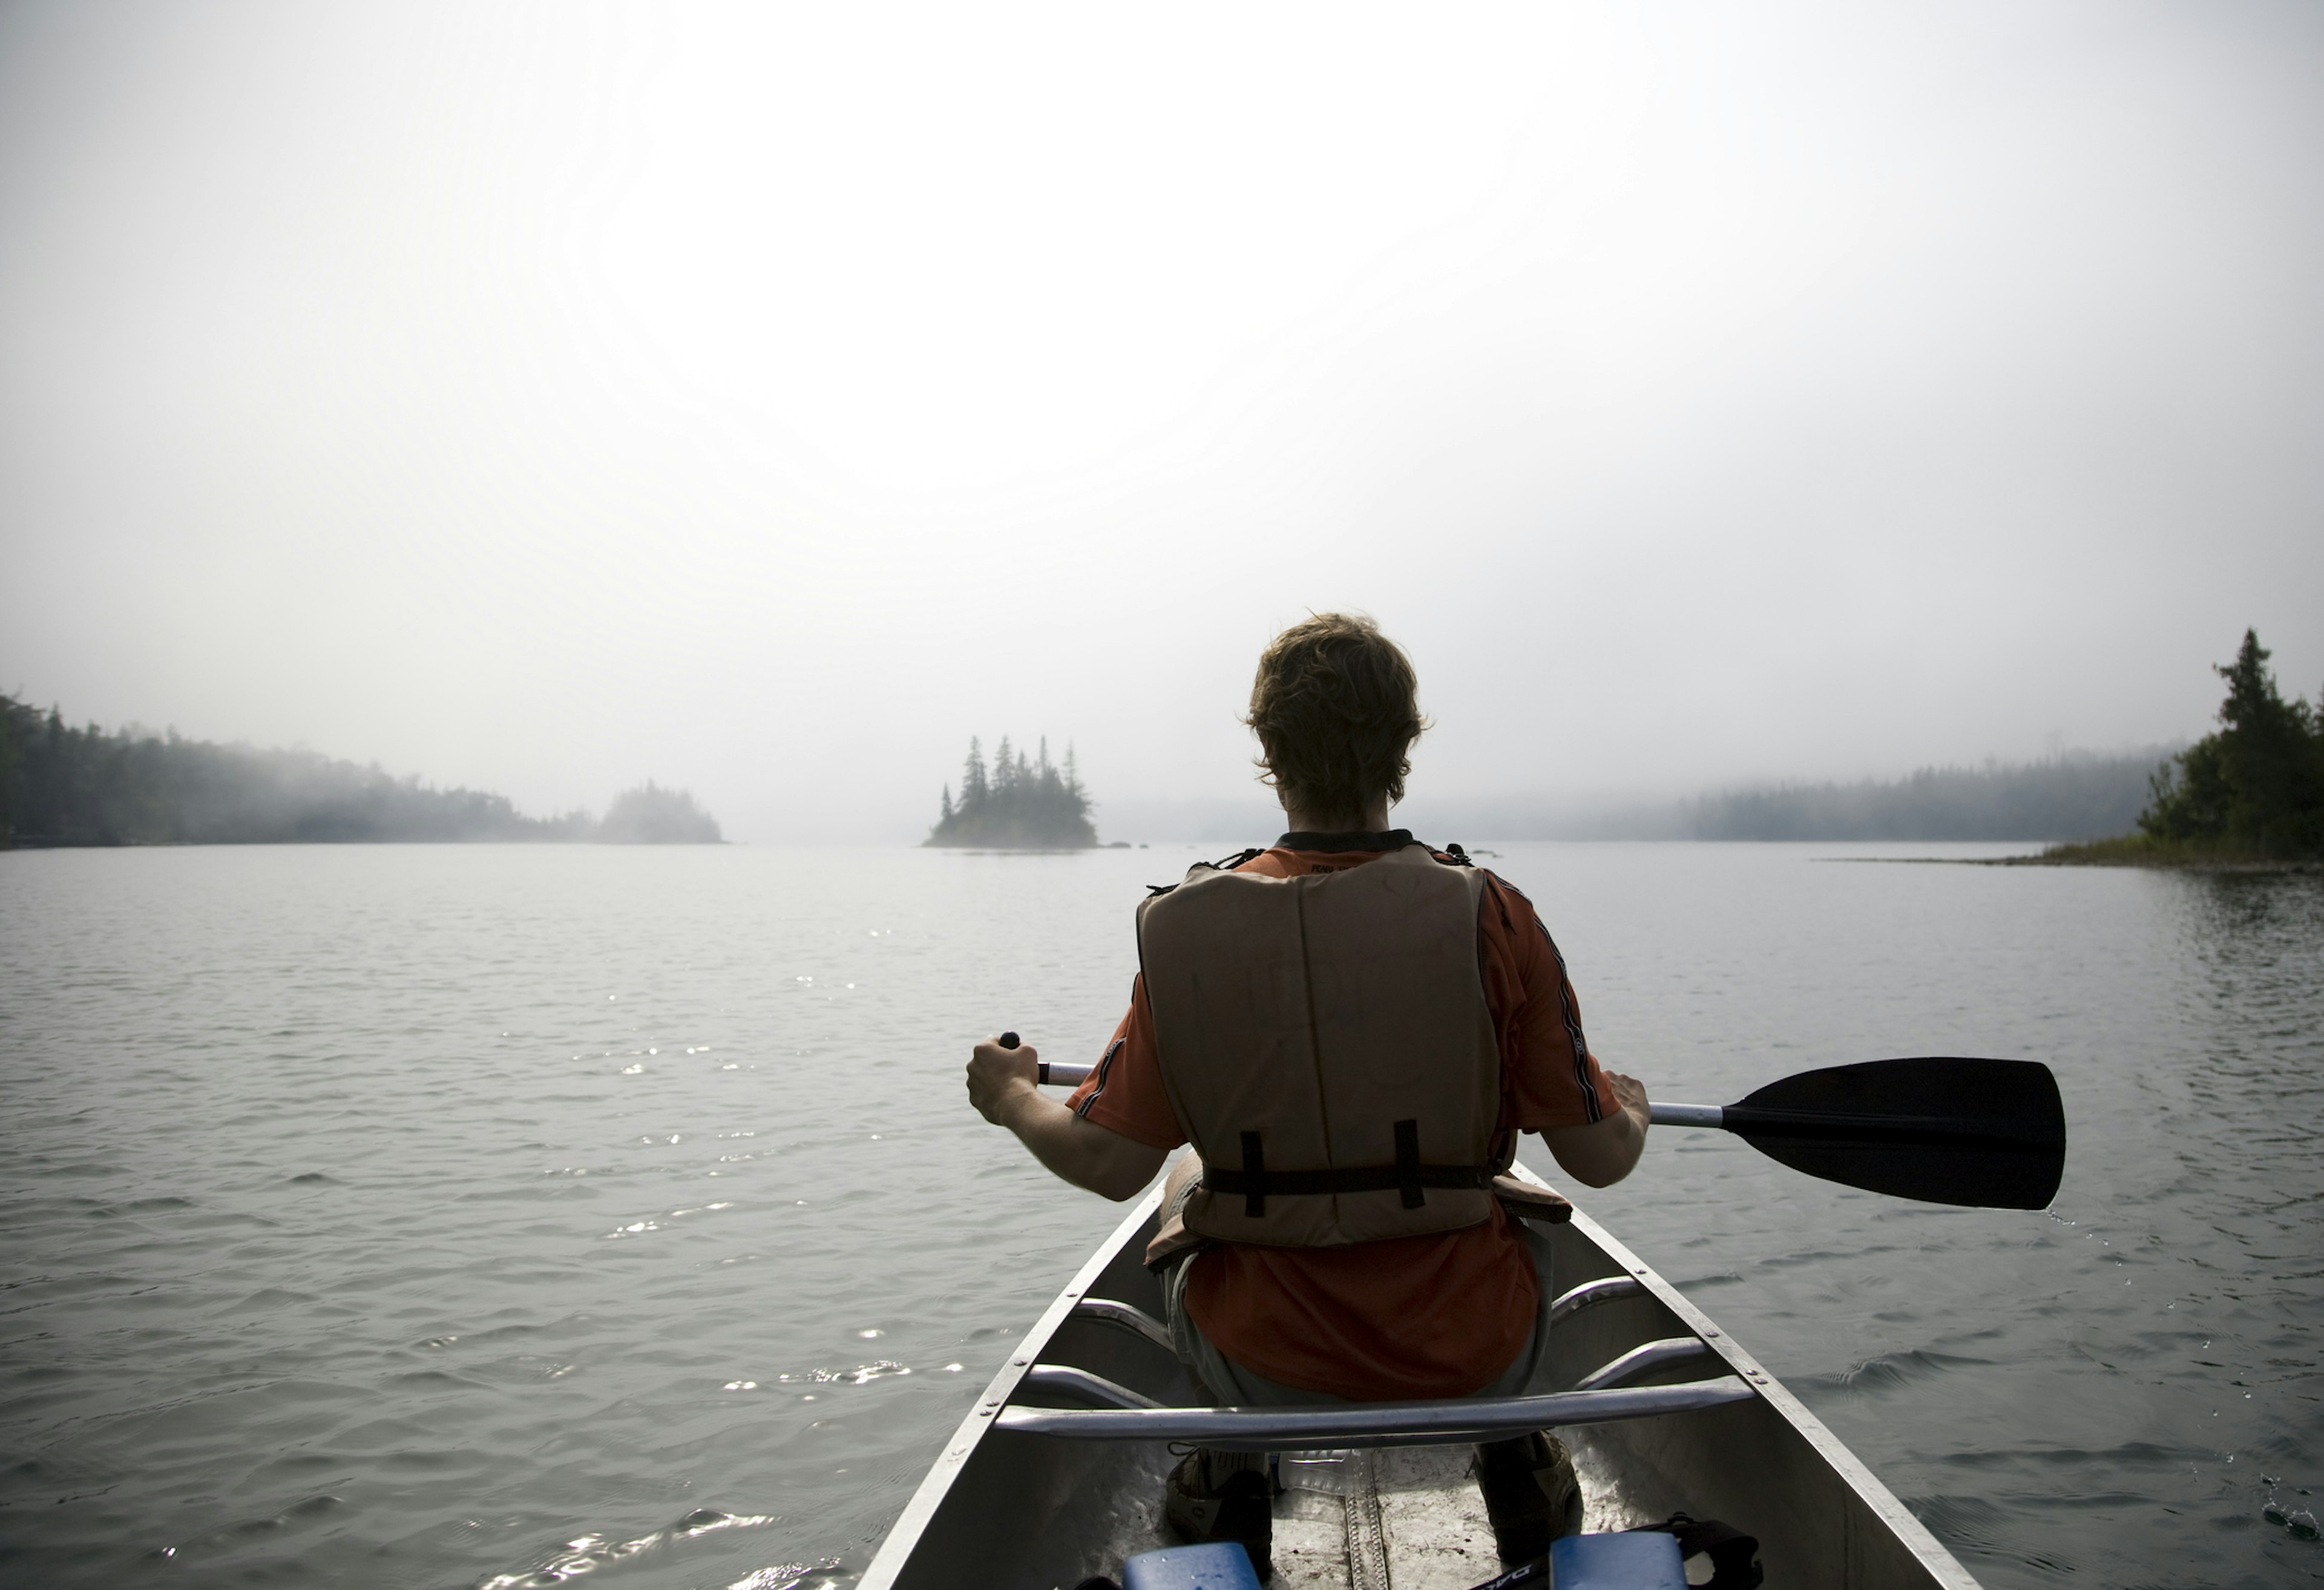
(2143,850)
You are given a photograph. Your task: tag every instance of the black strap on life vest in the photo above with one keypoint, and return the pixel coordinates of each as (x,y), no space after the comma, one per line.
(1409,1176)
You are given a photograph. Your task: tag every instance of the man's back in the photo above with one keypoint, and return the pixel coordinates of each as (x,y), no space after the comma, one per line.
(1430,1315)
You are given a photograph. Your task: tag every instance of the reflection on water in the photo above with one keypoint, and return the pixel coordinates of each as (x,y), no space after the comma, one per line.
(475,1216)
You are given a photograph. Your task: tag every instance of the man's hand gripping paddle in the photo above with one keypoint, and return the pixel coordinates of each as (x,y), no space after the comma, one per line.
(1990,1135)
(1062,1076)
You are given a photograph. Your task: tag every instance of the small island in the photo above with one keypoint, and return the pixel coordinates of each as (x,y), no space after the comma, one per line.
(2248,795)
(1022,803)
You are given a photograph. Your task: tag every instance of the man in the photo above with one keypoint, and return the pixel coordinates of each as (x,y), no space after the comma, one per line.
(1352,1029)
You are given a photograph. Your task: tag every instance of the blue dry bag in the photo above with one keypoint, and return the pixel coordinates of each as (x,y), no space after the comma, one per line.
(1222,1565)
(1640,1559)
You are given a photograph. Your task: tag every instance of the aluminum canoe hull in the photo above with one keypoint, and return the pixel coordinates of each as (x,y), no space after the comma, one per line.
(1011,1510)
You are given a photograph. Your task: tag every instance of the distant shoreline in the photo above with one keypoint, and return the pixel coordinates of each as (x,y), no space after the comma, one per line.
(2118,854)
(528,842)
(68,789)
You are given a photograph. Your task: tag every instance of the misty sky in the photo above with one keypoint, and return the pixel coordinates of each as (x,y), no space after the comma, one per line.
(766,399)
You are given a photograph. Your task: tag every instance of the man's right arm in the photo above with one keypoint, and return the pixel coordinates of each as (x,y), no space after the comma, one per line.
(1604,1151)
(1001,1085)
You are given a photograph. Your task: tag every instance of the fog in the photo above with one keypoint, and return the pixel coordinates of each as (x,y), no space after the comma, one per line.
(764,401)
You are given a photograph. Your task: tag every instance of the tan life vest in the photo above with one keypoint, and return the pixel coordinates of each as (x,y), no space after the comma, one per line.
(1325,1044)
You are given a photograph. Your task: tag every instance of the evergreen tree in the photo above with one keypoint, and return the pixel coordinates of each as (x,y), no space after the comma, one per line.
(2255,786)
(972,777)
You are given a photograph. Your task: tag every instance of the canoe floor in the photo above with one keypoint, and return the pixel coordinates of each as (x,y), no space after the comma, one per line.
(1411,1518)
(1407,1517)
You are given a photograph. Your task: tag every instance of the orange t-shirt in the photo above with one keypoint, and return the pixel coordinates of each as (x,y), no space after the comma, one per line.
(1436,1315)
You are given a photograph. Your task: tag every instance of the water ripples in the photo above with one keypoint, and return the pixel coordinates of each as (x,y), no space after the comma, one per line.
(342,1249)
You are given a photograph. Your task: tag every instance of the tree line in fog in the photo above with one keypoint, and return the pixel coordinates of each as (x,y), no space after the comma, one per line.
(2253,789)
(2078,795)
(65,786)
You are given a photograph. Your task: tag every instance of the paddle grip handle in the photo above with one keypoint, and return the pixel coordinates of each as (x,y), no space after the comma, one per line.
(1062,1076)
(1686,1115)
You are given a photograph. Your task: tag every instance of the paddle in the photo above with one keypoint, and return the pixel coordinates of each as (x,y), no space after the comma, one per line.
(1940,1129)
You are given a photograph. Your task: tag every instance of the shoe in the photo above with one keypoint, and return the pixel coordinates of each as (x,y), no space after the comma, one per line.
(1207,1500)
(1532,1494)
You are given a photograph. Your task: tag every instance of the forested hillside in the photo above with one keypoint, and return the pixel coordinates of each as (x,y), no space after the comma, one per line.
(62,786)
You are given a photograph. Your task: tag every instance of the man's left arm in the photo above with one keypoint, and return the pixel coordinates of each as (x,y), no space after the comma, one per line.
(1593,1121)
(1002,1085)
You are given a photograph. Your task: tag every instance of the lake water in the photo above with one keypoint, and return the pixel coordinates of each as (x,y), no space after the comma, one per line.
(484,1216)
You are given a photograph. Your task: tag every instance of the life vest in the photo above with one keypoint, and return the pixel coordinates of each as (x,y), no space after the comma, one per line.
(1325,1044)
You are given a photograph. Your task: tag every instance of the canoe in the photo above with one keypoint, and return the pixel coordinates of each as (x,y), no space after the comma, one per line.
(1057,1471)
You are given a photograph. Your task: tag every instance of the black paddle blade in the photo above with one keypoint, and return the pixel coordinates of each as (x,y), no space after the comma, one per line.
(1987,1133)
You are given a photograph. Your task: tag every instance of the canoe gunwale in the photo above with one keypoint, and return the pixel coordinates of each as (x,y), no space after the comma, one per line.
(904,1534)
(1939,1563)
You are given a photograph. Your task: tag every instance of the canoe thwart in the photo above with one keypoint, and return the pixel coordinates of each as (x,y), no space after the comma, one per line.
(1641,1358)
(1349,1424)
(1089,1387)
(1591,1293)
(1129,1318)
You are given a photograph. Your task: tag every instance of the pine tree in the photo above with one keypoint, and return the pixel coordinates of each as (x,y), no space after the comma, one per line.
(972,777)
(2256,784)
